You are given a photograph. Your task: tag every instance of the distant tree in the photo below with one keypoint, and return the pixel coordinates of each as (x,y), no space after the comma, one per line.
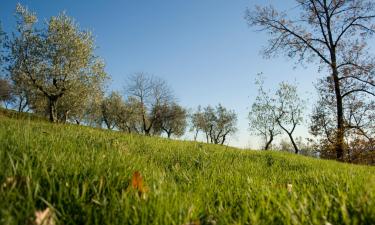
(111,107)
(224,124)
(129,118)
(172,119)
(6,94)
(262,115)
(335,32)
(53,61)
(305,146)
(151,93)
(289,110)
(197,122)
(216,123)
(2,50)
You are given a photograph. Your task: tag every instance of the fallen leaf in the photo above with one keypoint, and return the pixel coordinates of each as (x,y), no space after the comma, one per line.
(137,184)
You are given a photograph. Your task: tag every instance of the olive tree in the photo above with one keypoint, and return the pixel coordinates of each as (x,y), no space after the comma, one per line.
(289,110)
(6,94)
(129,118)
(172,119)
(53,60)
(111,108)
(262,115)
(217,123)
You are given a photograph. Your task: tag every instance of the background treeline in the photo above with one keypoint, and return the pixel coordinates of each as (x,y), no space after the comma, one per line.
(51,70)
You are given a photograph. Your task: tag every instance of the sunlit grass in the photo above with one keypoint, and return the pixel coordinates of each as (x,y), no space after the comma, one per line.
(84,174)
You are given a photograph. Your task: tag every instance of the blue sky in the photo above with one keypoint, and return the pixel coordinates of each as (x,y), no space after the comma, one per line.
(203,48)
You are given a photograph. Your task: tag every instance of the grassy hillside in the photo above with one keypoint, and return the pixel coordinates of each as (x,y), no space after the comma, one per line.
(84,176)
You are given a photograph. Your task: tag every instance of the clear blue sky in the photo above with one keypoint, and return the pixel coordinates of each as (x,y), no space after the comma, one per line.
(203,48)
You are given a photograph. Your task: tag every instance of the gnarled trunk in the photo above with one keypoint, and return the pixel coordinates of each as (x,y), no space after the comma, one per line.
(52,109)
(268,144)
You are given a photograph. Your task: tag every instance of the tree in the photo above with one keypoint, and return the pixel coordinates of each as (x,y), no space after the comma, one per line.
(80,101)
(262,115)
(197,122)
(111,107)
(359,121)
(6,94)
(3,39)
(333,31)
(151,93)
(53,60)
(129,119)
(289,109)
(224,124)
(173,119)
(216,123)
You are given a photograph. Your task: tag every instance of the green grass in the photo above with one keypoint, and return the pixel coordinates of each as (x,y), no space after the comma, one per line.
(84,175)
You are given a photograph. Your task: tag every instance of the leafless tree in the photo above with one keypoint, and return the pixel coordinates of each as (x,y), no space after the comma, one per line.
(333,31)
(359,120)
(151,93)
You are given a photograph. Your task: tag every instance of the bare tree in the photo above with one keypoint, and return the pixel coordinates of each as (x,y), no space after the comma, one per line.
(289,109)
(333,31)
(359,121)
(151,93)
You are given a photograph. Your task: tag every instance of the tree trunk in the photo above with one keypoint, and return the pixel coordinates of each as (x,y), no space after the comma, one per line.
(223,140)
(107,123)
(196,135)
(22,105)
(339,142)
(52,109)
(268,144)
(296,150)
(65,116)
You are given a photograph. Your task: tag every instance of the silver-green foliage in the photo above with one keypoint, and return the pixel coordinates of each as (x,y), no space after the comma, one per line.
(55,60)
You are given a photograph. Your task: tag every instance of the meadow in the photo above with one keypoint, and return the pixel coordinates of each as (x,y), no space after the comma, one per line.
(87,176)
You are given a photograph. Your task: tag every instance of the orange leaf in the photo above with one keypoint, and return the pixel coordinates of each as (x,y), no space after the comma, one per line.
(137,183)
